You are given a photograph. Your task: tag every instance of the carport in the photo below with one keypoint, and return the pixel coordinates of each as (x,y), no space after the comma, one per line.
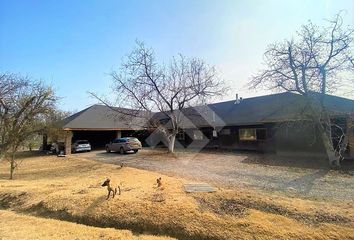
(101,124)
(97,138)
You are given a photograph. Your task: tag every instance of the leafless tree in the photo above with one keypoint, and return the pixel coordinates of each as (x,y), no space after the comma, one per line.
(313,64)
(23,105)
(144,84)
(53,126)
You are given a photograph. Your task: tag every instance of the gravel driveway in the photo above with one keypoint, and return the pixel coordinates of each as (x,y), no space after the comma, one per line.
(245,170)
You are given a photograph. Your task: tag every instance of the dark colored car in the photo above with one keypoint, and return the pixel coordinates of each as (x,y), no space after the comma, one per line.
(124,145)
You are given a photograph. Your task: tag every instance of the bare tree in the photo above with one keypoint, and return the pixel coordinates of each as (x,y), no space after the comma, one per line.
(23,105)
(53,126)
(312,65)
(144,84)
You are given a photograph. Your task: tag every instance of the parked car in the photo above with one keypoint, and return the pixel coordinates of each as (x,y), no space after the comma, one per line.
(124,145)
(80,146)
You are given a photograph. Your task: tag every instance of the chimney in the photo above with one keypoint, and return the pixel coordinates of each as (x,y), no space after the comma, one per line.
(238,100)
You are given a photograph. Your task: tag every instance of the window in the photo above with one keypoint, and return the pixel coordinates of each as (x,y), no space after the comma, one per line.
(225,131)
(252,134)
(180,136)
(197,135)
(247,134)
(133,139)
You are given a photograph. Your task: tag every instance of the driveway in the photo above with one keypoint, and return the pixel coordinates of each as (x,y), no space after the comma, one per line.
(242,170)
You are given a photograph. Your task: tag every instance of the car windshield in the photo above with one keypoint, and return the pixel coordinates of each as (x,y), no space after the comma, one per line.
(82,142)
(133,140)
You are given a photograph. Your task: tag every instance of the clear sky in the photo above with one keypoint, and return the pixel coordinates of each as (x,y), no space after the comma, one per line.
(74,44)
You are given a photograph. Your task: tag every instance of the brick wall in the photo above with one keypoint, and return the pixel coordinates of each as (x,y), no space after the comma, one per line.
(350,134)
(68,138)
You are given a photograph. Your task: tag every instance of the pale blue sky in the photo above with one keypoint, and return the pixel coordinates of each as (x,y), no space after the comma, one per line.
(74,44)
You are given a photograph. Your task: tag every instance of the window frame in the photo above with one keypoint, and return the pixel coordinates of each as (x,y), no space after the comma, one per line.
(255,134)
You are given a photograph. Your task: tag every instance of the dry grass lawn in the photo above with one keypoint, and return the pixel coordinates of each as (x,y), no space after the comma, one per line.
(18,226)
(68,190)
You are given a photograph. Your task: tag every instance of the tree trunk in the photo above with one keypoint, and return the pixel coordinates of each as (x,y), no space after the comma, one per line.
(171,143)
(12,166)
(325,133)
(45,142)
(326,136)
(327,142)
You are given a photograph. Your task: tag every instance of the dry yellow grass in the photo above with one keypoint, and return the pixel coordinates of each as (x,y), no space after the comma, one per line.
(15,226)
(69,189)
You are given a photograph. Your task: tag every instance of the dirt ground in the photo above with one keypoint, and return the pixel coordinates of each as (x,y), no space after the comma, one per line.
(61,192)
(306,178)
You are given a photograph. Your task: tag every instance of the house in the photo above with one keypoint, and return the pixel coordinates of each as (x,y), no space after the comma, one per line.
(277,123)
(100,124)
(274,123)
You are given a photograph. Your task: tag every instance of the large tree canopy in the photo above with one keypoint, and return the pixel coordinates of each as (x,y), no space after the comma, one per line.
(318,60)
(143,83)
(24,103)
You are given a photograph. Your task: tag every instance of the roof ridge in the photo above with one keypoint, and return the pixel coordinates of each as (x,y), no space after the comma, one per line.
(262,96)
(122,108)
(69,119)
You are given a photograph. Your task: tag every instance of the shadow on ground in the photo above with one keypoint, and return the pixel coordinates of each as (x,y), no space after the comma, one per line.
(298,162)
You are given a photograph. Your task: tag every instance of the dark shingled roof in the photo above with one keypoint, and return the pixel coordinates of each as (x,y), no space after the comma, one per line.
(101,117)
(275,108)
(250,111)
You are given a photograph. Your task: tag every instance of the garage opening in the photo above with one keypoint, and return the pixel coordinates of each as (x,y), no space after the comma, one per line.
(97,139)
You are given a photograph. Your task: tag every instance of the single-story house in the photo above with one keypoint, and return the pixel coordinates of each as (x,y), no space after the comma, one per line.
(100,124)
(273,123)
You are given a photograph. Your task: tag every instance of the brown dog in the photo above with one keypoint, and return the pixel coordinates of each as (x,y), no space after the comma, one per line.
(159,182)
(110,189)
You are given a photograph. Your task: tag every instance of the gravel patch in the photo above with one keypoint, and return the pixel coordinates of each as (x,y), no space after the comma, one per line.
(242,170)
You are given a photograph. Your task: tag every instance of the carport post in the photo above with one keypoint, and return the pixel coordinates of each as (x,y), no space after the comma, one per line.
(119,134)
(68,137)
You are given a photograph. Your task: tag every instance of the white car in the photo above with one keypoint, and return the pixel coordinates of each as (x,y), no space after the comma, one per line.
(80,146)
